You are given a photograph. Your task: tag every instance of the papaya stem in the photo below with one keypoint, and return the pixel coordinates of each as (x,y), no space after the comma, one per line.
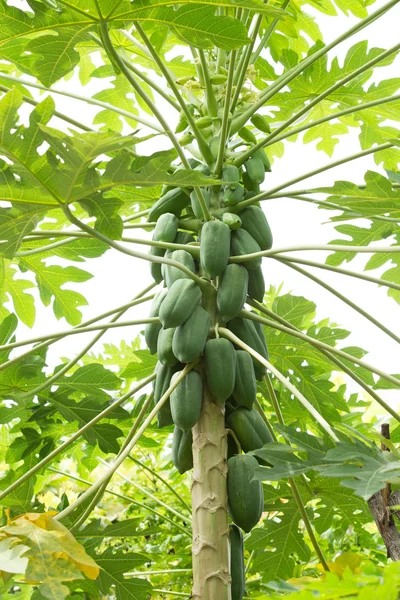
(210,550)
(235,439)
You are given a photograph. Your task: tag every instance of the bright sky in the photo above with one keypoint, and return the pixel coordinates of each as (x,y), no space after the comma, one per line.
(118,277)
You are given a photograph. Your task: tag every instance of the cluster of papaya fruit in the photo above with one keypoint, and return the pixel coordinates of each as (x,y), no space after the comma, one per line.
(189,315)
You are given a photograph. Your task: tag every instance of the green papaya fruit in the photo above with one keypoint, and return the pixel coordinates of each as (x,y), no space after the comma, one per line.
(260,153)
(195,203)
(214,145)
(205,169)
(183,237)
(152,330)
(173,273)
(218,78)
(260,331)
(186,400)
(246,134)
(233,195)
(238,573)
(255,223)
(160,386)
(156,269)
(255,170)
(247,332)
(173,202)
(244,243)
(164,347)
(245,495)
(182,455)
(230,176)
(182,298)
(245,390)
(166,228)
(256,287)
(215,243)
(190,337)
(232,291)
(249,428)
(203,122)
(261,123)
(250,185)
(233,221)
(220,366)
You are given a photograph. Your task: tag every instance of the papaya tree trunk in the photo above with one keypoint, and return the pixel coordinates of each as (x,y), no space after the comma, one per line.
(211,576)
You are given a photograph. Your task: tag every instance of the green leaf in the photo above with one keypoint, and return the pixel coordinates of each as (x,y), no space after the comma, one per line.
(278,541)
(92,380)
(51,281)
(113,566)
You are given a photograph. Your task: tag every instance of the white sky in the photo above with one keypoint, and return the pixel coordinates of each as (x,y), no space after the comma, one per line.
(118,277)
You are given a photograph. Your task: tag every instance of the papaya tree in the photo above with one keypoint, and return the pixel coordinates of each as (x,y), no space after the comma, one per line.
(227,445)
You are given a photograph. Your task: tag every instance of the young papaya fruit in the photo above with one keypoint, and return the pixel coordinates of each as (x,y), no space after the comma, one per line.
(218,78)
(256,287)
(186,400)
(245,495)
(215,241)
(238,573)
(156,269)
(249,428)
(255,223)
(160,386)
(249,185)
(166,228)
(247,135)
(182,298)
(195,203)
(190,337)
(260,153)
(173,202)
(244,243)
(173,273)
(255,170)
(233,195)
(245,389)
(182,455)
(233,221)
(164,347)
(214,145)
(203,122)
(230,176)
(183,237)
(205,169)
(247,332)
(232,291)
(261,123)
(220,366)
(152,330)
